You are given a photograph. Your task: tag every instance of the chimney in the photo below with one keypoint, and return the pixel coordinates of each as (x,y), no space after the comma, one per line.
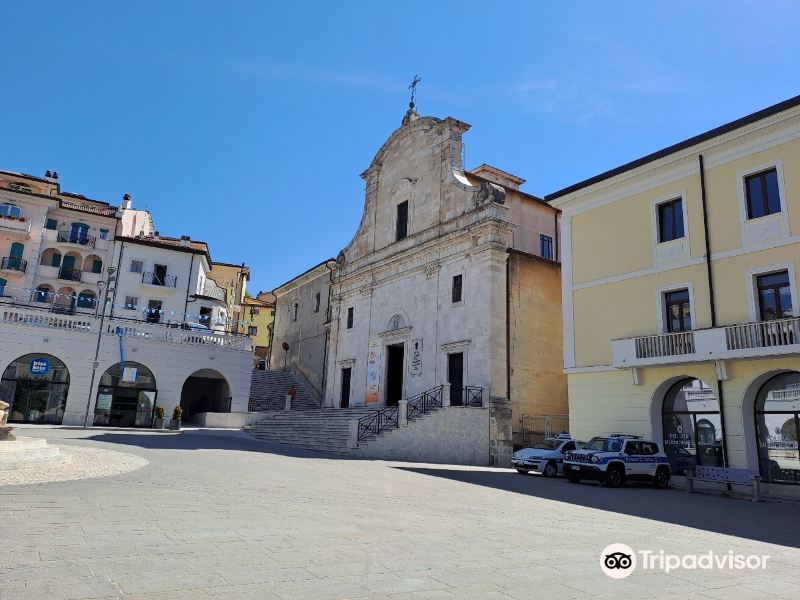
(51,176)
(186,240)
(127,202)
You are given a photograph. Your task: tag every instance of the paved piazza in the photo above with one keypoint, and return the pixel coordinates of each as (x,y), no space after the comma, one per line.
(218,515)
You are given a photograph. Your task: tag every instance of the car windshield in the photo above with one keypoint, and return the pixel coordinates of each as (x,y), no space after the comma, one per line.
(547,445)
(604,444)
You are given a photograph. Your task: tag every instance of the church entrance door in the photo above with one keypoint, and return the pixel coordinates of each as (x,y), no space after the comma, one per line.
(394,374)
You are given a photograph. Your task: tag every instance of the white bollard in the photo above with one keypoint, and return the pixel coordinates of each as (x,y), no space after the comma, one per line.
(288,402)
(402,413)
(352,434)
(445,395)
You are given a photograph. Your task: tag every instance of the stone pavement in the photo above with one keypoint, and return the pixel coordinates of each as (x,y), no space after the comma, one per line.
(220,515)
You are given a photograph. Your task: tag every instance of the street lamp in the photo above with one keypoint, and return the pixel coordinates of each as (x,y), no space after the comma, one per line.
(108,288)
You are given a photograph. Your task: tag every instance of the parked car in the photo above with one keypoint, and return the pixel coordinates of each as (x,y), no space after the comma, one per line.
(546,457)
(617,459)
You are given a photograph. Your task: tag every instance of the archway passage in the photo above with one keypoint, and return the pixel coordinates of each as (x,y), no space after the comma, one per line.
(204,391)
(126,397)
(36,386)
(692,426)
(777,426)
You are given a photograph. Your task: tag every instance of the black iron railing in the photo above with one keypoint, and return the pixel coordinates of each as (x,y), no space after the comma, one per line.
(469,395)
(159,279)
(424,403)
(375,423)
(265,404)
(14,263)
(76,237)
(70,274)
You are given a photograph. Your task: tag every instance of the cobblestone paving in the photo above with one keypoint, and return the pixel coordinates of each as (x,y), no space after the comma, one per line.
(224,516)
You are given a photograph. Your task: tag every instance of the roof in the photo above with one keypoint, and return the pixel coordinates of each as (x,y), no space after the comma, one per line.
(67,200)
(194,247)
(241,267)
(488,167)
(717,131)
(306,272)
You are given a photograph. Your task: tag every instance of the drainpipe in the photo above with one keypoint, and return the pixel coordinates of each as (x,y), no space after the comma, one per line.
(709,274)
(119,264)
(327,335)
(188,287)
(508,327)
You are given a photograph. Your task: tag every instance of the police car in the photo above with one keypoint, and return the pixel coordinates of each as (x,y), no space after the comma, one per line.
(546,457)
(616,459)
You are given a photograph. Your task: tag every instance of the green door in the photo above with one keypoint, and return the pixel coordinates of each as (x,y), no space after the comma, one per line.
(17,249)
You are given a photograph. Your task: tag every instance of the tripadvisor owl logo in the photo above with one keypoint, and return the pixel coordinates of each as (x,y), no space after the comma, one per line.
(618,561)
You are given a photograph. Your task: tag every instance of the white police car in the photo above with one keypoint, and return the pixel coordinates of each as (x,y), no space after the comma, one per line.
(546,456)
(616,459)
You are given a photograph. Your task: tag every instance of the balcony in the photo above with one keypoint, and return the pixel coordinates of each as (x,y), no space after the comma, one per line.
(69,274)
(77,238)
(159,279)
(746,340)
(14,263)
(15,227)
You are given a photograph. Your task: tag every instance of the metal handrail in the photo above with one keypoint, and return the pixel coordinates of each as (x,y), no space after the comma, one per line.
(150,278)
(265,404)
(425,402)
(70,274)
(374,423)
(75,237)
(468,395)
(15,263)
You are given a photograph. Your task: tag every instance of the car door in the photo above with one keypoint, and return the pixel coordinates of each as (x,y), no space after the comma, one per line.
(649,451)
(633,453)
(566,447)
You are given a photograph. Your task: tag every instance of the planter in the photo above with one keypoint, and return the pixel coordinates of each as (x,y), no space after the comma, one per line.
(175,424)
(158,423)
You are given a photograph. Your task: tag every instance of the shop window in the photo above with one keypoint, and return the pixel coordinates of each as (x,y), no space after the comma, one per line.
(692,426)
(777,426)
(36,387)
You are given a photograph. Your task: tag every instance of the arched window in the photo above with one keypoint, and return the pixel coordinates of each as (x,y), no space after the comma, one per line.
(126,396)
(777,426)
(36,386)
(692,426)
(86,299)
(10,210)
(44,293)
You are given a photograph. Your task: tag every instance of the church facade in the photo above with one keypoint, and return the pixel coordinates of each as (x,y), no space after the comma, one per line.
(451,278)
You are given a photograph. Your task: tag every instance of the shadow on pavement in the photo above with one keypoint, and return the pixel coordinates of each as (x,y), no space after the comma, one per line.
(774,523)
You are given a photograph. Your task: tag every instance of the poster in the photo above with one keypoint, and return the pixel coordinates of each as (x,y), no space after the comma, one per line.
(416,357)
(129,375)
(373,373)
(39,366)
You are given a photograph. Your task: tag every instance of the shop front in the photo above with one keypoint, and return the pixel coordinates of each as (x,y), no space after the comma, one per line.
(126,396)
(36,387)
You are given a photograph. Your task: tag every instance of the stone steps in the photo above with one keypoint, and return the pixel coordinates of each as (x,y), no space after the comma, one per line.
(23,452)
(275,384)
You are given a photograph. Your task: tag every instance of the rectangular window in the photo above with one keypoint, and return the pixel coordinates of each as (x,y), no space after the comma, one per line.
(670,220)
(316,302)
(154,311)
(104,234)
(52,224)
(131,302)
(137,266)
(97,266)
(294,313)
(402,220)
(252,330)
(763,197)
(350,314)
(679,311)
(546,246)
(774,296)
(205,316)
(458,281)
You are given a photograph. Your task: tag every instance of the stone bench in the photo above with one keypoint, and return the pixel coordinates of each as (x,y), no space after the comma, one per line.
(727,476)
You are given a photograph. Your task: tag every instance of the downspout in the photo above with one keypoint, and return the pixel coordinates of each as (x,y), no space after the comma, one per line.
(556,253)
(508,326)
(327,335)
(188,287)
(119,265)
(712,304)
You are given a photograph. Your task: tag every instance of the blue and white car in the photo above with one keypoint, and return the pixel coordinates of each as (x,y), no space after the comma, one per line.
(546,457)
(617,459)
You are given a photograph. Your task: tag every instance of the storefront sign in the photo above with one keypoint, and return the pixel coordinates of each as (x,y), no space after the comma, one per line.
(416,357)
(129,375)
(373,372)
(39,366)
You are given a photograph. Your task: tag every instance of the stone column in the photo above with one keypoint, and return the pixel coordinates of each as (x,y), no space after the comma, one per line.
(287,402)
(445,395)
(402,413)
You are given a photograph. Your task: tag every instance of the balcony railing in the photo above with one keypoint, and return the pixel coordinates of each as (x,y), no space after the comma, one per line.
(163,280)
(14,263)
(70,274)
(764,338)
(74,237)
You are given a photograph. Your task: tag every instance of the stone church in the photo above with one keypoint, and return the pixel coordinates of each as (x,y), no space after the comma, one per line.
(451,278)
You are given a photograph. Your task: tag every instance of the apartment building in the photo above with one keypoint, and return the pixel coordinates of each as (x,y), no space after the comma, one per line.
(102,319)
(680,297)
(233,279)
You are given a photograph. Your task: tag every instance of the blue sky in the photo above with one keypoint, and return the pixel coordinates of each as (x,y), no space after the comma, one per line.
(246,124)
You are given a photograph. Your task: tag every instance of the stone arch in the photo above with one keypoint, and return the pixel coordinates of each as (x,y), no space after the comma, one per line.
(87,299)
(44,293)
(126,396)
(205,390)
(65,298)
(35,386)
(93,264)
(51,257)
(748,415)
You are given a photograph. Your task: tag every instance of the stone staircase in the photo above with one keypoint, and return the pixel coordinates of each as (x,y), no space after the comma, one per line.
(321,429)
(275,384)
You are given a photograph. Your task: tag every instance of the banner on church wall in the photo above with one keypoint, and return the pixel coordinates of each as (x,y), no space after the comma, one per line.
(416,357)
(373,372)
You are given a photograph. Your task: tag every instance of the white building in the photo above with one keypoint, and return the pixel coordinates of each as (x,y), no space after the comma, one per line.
(160,339)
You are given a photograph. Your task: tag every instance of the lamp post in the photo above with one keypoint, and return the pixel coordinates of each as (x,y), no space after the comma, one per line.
(285,347)
(108,288)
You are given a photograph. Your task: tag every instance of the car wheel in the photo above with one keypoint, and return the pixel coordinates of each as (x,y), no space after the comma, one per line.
(573,478)
(550,469)
(615,477)
(662,478)
(522,471)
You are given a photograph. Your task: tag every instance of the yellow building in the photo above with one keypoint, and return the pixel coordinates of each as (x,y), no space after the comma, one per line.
(259,313)
(680,298)
(233,279)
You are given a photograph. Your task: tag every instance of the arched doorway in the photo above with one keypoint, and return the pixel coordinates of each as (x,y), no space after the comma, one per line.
(126,397)
(203,391)
(36,386)
(777,415)
(692,426)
